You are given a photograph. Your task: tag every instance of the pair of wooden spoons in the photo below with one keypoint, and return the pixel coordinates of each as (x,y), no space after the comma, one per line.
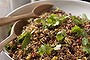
(18,26)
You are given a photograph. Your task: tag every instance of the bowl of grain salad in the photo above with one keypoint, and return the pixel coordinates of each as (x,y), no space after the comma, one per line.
(63,33)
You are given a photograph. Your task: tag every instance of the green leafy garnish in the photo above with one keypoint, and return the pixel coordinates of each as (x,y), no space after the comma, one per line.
(25,42)
(26,39)
(84,16)
(43,23)
(38,20)
(84,33)
(60,35)
(62,18)
(44,49)
(76,29)
(86,49)
(84,41)
(22,36)
(77,21)
(53,20)
(86,45)
(7,47)
(79,31)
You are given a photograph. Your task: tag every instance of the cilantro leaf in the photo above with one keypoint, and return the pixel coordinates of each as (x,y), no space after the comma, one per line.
(26,40)
(84,16)
(79,31)
(60,35)
(76,29)
(22,36)
(62,18)
(86,45)
(86,49)
(84,41)
(43,22)
(44,49)
(77,21)
(84,33)
(53,20)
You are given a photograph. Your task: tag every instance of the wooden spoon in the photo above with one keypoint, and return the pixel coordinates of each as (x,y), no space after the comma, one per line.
(18,26)
(15,31)
(35,13)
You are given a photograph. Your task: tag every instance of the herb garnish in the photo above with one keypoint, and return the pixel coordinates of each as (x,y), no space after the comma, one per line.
(79,31)
(77,21)
(44,49)
(61,35)
(86,45)
(25,38)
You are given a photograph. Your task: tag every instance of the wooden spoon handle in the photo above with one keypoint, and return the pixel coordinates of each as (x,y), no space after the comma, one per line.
(10,19)
(6,41)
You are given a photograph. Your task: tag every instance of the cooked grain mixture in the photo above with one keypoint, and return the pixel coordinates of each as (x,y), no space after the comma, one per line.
(55,35)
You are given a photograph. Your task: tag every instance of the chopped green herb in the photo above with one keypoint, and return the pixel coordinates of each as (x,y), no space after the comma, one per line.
(53,20)
(86,45)
(44,49)
(84,16)
(62,18)
(43,23)
(26,40)
(79,31)
(76,20)
(86,49)
(7,47)
(84,34)
(22,36)
(60,35)
(84,41)
(38,20)
(76,29)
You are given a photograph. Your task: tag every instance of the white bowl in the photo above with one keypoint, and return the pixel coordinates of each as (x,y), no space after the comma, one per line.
(73,7)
